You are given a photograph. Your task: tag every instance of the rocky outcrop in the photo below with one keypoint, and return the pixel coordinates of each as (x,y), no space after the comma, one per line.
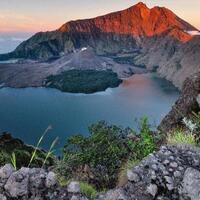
(187,103)
(35,183)
(171,173)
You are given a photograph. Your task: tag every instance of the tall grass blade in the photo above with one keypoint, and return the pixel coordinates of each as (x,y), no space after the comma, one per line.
(38,144)
(14,161)
(50,151)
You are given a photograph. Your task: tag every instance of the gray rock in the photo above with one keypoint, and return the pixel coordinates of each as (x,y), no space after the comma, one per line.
(173,165)
(152,189)
(168,179)
(166,162)
(5,173)
(132,176)
(77,197)
(177,174)
(170,186)
(17,184)
(73,187)
(51,180)
(154,167)
(117,194)
(191,184)
(2,197)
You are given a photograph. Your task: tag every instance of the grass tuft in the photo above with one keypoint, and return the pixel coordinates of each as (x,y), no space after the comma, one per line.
(14,160)
(181,137)
(88,190)
(34,154)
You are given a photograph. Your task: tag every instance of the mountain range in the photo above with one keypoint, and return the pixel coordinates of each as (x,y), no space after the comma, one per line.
(152,37)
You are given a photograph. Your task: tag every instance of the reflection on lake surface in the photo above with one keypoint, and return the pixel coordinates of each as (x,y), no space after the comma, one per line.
(26,113)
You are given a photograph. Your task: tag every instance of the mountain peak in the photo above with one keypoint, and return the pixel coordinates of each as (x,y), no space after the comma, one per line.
(140,5)
(138,20)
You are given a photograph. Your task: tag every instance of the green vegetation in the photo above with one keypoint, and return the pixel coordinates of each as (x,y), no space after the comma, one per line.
(98,159)
(99,155)
(181,137)
(14,151)
(50,151)
(14,161)
(88,190)
(83,81)
(34,153)
(145,143)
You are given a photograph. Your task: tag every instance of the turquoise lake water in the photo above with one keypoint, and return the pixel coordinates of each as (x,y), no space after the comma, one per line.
(26,113)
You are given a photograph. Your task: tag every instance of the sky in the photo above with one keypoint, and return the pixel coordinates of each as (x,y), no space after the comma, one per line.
(43,15)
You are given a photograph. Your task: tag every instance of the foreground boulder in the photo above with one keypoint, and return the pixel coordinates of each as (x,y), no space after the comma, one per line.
(34,184)
(173,173)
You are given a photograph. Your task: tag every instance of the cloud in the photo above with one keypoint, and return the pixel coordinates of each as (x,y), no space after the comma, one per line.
(13,21)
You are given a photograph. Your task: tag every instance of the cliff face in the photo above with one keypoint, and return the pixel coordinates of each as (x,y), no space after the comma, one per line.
(174,60)
(187,103)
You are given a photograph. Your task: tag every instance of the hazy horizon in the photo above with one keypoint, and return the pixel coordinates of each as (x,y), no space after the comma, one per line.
(34,15)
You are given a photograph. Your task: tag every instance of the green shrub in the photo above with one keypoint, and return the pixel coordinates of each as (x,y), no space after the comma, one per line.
(102,151)
(88,190)
(181,137)
(4,158)
(99,157)
(145,142)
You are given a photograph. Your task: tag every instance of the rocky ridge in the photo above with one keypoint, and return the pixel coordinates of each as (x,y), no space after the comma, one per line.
(120,31)
(34,183)
(187,102)
(170,173)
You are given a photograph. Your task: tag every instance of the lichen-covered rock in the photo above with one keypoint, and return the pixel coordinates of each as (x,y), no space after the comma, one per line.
(51,180)
(35,184)
(152,189)
(191,184)
(17,184)
(168,174)
(74,187)
(5,173)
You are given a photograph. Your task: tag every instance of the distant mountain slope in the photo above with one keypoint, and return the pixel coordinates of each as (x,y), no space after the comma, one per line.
(119,31)
(138,20)
(156,38)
